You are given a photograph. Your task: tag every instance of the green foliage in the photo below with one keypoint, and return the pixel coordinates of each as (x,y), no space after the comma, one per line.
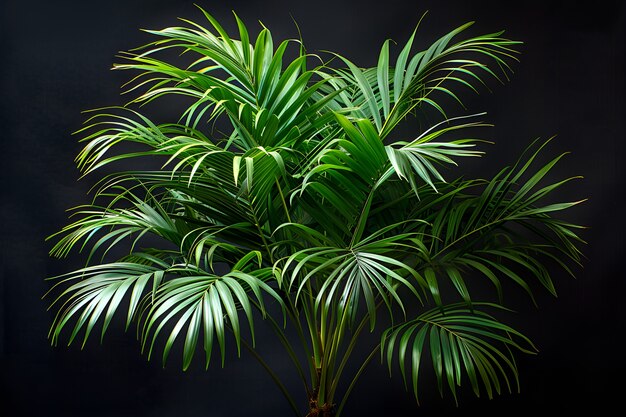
(304,212)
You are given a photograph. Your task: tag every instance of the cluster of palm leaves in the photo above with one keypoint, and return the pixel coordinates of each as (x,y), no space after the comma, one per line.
(304,212)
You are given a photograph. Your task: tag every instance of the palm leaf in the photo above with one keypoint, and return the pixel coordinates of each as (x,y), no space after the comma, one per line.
(204,305)
(478,232)
(432,70)
(462,343)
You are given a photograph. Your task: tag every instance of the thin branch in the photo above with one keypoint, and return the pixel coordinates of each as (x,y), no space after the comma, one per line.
(275,378)
(354,380)
(285,342)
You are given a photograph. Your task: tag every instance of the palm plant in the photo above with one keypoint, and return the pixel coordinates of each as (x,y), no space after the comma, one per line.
(300,208)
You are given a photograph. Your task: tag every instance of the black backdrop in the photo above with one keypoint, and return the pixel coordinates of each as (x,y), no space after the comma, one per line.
(54,60)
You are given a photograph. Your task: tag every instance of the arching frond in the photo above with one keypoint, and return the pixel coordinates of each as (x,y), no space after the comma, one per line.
(203,304)
(504,230)
(386,95)
(371,270)
(461,343)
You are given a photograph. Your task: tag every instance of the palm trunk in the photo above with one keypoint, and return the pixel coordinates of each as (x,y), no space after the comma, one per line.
(323,410)
(315,408)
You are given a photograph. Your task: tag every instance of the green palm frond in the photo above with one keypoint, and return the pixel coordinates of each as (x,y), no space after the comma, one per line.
(203,303)
(371,270)
(268,106)
(462,343)
(102,287)
(386,95)
(481,232)
(419,157)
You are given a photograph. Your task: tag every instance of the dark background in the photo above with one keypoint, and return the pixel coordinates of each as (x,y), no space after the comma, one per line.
(54,61)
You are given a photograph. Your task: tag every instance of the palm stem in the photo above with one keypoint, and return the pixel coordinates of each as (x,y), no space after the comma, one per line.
(330,357)
(355,379)
(282,199)
(286,344)
(274,377)
(307,351)
(348,353)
